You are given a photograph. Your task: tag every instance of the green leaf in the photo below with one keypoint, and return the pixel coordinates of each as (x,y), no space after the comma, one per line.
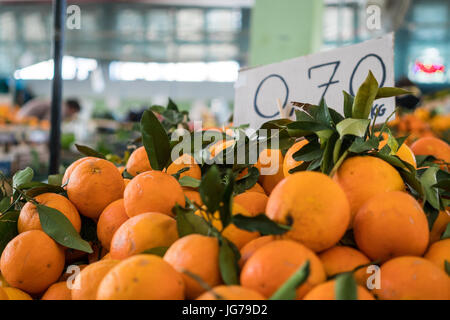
(335,116)
(249,181)
(304,128)
(260,223)
(89,152)
(345,287)
(328,159)
(225,208)
(157,251)
(308,152)
(362,105)
(387,92)
(187,181)
(155,140)
(88,229)
(157,109)
(22,176)
(360,146)
(428,180)
(392,143)
(172,106)
(5,204)
(446,234)
(8,228)
(179,172)
(287,291)
(447,267)
(443,184)
(188,222)
(35,188)
(228,262)
(354,127)
(59,228)
(211,189)
(55,179)
(348,104)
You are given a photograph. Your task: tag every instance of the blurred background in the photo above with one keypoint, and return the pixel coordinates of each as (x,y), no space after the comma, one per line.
(120,57)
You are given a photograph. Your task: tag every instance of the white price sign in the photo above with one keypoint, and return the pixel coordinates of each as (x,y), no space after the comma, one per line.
(310,78)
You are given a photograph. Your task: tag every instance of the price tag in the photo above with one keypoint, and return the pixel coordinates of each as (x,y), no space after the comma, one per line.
(310,78)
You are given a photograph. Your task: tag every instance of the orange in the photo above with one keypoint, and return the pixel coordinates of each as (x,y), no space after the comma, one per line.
(17,294)
(143,232)
(3,294)
(142,277)
(326,291)
(270,166)
(341,259)
(391,224)
(88,280)
(438,253)
(249,249)
(254,202)
(274,263)
(29,216)
(314,205)
(126,182)
(256,188)
(233,292)
(432,146)
(218,147)
(72,167)
(57,291)
(193,196)
(404,152)
(412,278)
(363,177)
(289,161)
(439,226)
(238,236)
(153,191)
(199,255)
(121,169)
(93,185)
(185,161)
(110,220)
(138,162)
(32,261)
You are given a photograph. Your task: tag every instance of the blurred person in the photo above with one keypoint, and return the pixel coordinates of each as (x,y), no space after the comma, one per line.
(41,109)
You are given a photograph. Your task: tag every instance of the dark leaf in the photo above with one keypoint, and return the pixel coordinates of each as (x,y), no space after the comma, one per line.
(287,291)
(172,106)
(345,287)
(88,229)
(249,181)
(179,172)
(348,104)
(8,228)
(228,263)
(428,180)
(447,267)
(188,222)
(443,184)
(360,146)
(225,208)
(308,152)
(446,234)
(260,223)
(5,204)
(211,189)
(157,109)
(158,251)
(89,152)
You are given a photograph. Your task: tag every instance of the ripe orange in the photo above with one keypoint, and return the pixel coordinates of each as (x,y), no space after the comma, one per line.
(93,185)
(57,291)
(190,253)
(363,177)
(185,161)
(89,279)
(143,232)
(256,188)
(254,202)
(142,277)
(32,261)
(219,146)
(231,293)
(72,167)
(326,291)
(439,226)
(193,196)
(3,294)
(17,294)
(110,220)
(153,191)
(138,162)
(249,249)
(404,152)
(315,207)
(29,216)
(412,278)
(432,146)
(341,259)
(271,265)
(438,253)
(126,182)
(289,161)
(390,225)
(270,166)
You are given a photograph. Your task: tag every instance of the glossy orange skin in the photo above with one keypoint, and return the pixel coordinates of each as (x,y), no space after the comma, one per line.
(29,216)
(57,291)
(185,161)
(270,166)
(112,217)
(89,279)
(432,146)
(439,252)
(289,161)
(339,259)
(412,278)
(271,265)
(93,185)
(254,202)
(376,175)
(326,291)
(199,255)
(138,162)
(390,225)
(143,232)
(232,292)
(30,269)
(153,191)
(250,248)
(142,277)
(315,206)
(72,167)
